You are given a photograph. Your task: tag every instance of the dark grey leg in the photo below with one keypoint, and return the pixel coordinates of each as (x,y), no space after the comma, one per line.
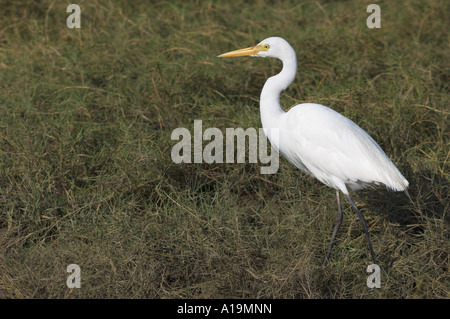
(363,224)
(337,224)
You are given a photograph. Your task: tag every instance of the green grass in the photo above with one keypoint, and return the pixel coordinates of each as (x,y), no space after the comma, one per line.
(86,175)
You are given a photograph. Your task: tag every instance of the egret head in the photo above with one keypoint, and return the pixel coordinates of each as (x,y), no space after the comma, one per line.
(273,47)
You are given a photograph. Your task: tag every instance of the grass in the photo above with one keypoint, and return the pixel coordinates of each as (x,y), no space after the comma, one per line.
(86,175)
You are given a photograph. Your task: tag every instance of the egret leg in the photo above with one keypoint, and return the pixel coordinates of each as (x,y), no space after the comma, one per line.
(363,224)
(337,224)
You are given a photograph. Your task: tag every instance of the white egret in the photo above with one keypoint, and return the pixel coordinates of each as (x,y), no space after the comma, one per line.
(318,140)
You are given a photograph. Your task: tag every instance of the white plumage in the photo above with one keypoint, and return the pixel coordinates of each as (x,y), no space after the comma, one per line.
(335,150)
(318,140)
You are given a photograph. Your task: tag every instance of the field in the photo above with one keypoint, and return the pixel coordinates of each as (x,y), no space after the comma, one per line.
(86,175)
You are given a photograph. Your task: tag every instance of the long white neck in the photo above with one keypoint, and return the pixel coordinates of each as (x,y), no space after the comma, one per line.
(270,107)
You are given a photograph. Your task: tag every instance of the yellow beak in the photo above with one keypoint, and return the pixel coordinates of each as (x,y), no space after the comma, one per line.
(241,52)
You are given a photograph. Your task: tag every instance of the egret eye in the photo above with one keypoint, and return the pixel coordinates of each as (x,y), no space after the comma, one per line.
(266,46)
